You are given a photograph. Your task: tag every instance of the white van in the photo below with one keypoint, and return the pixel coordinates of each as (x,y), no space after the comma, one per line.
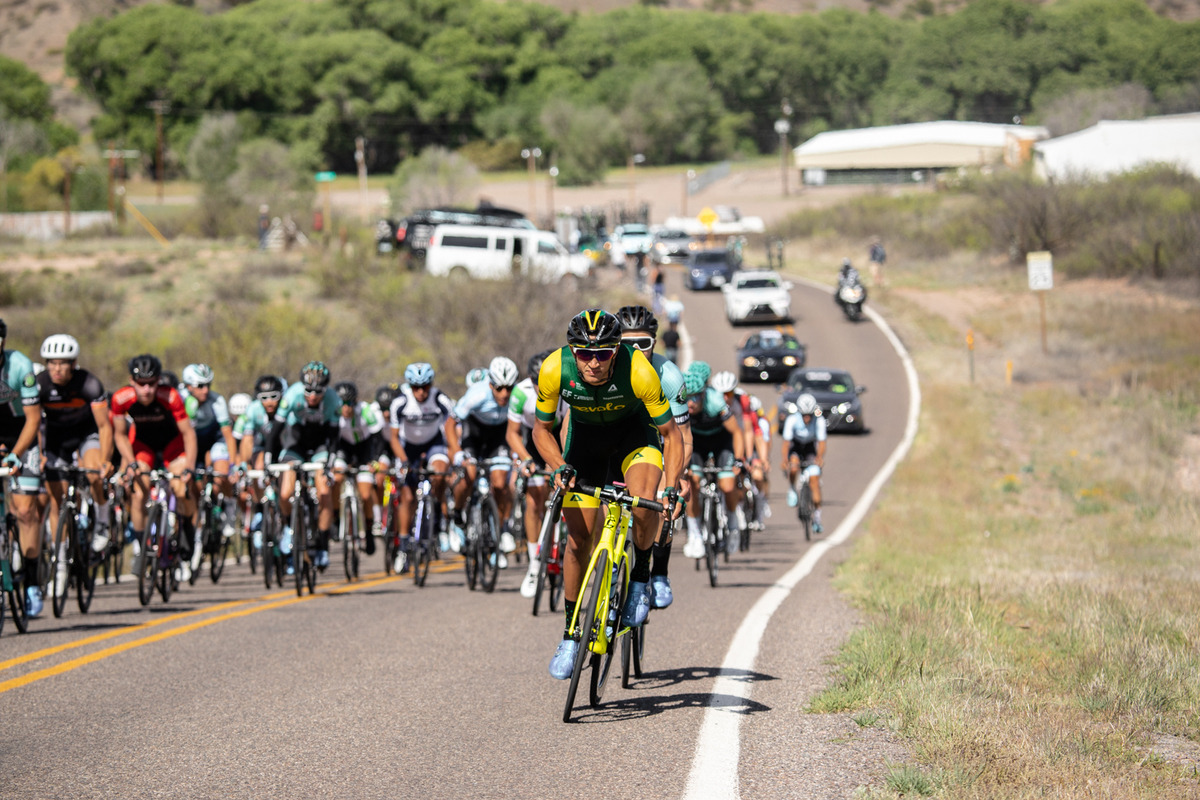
(479,251)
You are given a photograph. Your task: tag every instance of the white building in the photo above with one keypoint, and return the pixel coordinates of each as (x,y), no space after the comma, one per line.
(1113,146)
(904,153)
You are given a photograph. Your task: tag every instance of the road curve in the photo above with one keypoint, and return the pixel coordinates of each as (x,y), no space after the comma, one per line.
(381,689)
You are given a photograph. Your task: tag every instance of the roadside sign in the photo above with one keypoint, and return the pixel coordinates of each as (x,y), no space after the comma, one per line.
(325,177)
(707,217)
(1041,271)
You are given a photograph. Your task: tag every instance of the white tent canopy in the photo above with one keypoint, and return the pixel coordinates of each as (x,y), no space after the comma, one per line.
(1114,146)
(921,145)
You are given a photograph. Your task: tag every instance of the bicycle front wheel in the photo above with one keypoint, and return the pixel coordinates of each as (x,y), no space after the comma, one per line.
(471,550)
(60,559)
(804,509)
(423,541)
(147,560)
(546,550)
(585,630)
(489,545)
(16,598)
(602,662)
(711,533)
(299,547)
(348,529)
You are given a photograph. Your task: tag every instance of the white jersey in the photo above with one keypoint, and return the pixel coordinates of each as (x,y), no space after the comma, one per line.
(419,423)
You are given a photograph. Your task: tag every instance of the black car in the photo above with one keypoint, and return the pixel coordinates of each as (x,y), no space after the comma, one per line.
(708,269)
(835,392)
(770,356)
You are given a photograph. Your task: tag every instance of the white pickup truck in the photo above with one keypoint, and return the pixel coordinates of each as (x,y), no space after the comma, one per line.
(629,240)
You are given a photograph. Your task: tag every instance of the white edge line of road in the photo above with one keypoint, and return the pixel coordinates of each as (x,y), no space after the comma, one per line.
(714,773)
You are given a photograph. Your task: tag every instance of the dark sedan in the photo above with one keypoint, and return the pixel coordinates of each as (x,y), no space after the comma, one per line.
(770,356)
(708,269)
(835,392)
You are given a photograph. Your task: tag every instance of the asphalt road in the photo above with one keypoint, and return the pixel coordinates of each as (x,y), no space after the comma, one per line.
(382,689)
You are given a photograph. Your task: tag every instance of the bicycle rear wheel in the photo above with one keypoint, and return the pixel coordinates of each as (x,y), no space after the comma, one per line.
(423,541)
(602,662)
(546,549)
(147,560)
(218,544)
(299,547)
(270,544)
(348,529)
(471,549)
(489,545)
(585,630)
(804,509)
(711,533)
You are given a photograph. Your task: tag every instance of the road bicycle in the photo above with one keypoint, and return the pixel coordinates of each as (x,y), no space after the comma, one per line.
(349,528)
(72,551)
(160,548)
(305,512)
(12,574)
(482,548)
(596,623)
(714,521)
(422,542)
(804,504)
(552,543)
(750,506)
(274,560)
(243,508)
(210,527)
(389,525)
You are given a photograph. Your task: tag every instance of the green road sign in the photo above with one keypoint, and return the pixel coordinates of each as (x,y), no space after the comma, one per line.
(325,177)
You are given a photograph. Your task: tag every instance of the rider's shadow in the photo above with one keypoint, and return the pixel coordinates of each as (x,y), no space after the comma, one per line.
(638,706)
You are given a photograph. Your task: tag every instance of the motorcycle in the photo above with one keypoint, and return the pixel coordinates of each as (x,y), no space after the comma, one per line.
(851,296)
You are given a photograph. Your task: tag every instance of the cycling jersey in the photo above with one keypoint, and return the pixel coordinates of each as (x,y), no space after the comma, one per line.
(416,422)
(260,425)
(67,409)
(671,378)
(155,425)
(713,413)
(797,431)
(207,417)
(307,431)
(362,425)
(633,388)
(479,404)
(18,386)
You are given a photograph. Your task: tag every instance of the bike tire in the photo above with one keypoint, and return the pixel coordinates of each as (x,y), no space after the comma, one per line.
(586,629)
(489,545)
(116,529)
(16,598)
(216,561)
(148,557)
(65,532)
(471,550)
(711,560)
(348,530)
(270,544)
(546,541)
(299,546)
(167,557)
(423,542)
(602,662)
(804,510)
(203,530)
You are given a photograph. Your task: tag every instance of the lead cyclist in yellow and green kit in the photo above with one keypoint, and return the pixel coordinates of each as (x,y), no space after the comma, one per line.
(617,413)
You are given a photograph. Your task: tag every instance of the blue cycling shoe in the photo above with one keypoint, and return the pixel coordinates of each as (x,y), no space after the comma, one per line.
(321,559)
(33,601)
(661,586)
(563,662)
(637,605)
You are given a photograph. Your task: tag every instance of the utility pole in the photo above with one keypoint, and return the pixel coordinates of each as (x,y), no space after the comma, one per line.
(531,155)
(159,107)
(360,158)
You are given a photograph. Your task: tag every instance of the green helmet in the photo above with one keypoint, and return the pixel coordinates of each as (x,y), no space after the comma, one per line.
(702,369)
(695,379)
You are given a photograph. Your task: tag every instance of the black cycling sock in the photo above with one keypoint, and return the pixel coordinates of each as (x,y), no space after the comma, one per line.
(569,607)
(662,558)
(323,538)
(188,539)
(641,564)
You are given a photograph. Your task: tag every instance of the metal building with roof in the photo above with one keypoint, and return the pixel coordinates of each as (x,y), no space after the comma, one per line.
(1113,146)
(911,153)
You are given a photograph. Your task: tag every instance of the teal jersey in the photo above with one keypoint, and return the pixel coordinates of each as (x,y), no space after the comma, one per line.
(711,419)
(672,385)
(18,384)
(294,411)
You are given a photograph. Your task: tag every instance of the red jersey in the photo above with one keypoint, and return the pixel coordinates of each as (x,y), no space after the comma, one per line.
(157,424)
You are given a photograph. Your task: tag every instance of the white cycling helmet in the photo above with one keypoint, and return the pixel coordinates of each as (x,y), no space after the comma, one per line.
(238,404)
(197,375)
(475,376)
(806,404)
(60,345)
(503,372)
(724,382)
(755,404)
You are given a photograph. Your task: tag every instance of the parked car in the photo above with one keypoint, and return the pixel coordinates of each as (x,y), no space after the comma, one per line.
(757,296)
(708,269)
(672,246)
(629,240)
(484,252)
(770,356)
(836,393)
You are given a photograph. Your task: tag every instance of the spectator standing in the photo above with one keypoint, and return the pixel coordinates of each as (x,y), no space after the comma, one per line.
(878,256)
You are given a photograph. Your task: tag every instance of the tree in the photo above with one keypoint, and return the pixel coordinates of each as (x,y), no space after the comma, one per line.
(17,137)
(212,155)
(269,173)
(436,177)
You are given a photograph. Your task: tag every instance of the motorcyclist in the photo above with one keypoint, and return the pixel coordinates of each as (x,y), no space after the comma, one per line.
(848,276)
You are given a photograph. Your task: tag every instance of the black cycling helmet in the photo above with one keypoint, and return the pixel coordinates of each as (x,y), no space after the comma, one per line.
(145,367)
(3,329)
(348,392)
(638,318)
(535,363)
(314,376)
(384,395)
(594,328)
(268,384)
(168,378)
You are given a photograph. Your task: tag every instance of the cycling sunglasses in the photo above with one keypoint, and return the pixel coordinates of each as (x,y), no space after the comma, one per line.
(269,395)
(643,343)
(601,354)
(146,382)
(508,387)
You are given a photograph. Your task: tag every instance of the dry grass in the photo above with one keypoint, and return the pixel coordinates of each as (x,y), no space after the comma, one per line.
(1031,577)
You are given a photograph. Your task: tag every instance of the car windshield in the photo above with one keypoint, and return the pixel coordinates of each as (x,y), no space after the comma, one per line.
(758,283)
(634,230)
(710,259)
(665,235)
(834,382)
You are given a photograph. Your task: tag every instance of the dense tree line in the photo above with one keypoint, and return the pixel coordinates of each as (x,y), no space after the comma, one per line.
(677,86)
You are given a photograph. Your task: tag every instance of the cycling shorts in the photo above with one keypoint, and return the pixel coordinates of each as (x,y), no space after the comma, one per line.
(432,452)
(485,441)
(361,456)
(30,479)
(214,444)
(145,454)
(719,446)
(64,451)
(602,454)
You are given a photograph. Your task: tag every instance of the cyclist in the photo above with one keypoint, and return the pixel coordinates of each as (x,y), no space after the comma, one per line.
(618,414)
(20,419)
(639,330)
(238,403)
(803,445)
(73,407)
(483,414)
(211,420)
(758,458)
(762,475)
(715,433)
(522,409)
(310,413)
(360,431)
(422,427)
(151,427)
(257,432)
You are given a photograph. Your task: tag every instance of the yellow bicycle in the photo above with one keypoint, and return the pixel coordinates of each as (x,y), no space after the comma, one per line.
(596,623)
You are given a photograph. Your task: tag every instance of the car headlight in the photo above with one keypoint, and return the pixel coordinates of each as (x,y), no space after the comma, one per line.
(750,361)
(789,361)
(841,408)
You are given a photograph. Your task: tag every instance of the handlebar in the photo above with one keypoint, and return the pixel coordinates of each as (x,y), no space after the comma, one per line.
(617,494)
